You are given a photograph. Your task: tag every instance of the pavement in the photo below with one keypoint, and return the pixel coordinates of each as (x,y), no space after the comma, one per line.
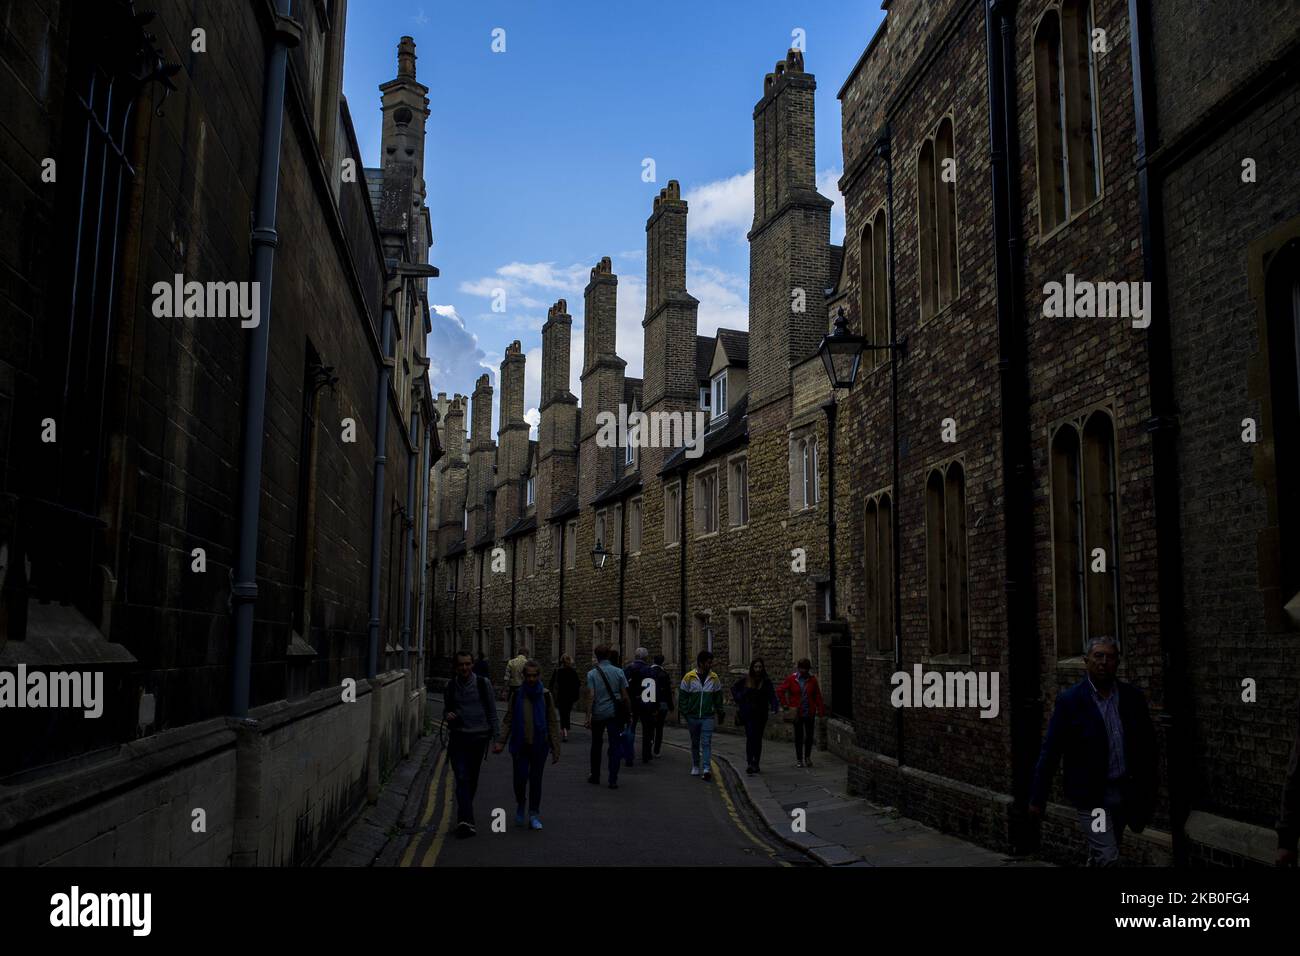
(660,815)
(839,829)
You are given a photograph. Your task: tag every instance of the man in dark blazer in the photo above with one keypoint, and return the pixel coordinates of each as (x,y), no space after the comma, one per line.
(1103,730)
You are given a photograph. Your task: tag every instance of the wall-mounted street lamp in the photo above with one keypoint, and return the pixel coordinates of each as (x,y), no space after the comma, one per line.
(599,556)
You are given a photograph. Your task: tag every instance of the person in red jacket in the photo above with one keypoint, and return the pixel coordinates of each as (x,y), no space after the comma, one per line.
(801,694)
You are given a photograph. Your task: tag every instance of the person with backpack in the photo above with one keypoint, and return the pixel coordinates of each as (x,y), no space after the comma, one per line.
(470,712)
(607,713)
(530,729)
(701,701)
(664,691)
(640,677)
(515,669)
(565,690)
(801,694)
(755,698)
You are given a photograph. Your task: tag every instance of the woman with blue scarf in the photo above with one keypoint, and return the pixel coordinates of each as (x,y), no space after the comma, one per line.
(530,727)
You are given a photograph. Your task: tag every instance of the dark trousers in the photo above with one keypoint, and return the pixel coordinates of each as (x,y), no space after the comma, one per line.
(660,718)
(754,728)
(648,722)
(565,708)
(530,762)
(803,735)
(465,752)
(613,729)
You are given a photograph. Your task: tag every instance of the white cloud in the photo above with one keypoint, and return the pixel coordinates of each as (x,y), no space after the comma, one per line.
(452,350)
(724,298)
(723,208)
(828,184)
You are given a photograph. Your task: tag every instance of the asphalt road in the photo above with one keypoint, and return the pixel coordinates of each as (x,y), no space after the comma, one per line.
(659,816)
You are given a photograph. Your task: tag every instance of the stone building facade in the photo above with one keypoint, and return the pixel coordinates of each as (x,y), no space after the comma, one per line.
(1054,471)
(1059,474)
(123,429)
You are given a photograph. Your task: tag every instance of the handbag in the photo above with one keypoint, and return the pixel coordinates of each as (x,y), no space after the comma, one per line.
(620,708)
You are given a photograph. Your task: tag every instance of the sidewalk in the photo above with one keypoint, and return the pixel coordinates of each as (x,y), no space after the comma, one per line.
(842,830)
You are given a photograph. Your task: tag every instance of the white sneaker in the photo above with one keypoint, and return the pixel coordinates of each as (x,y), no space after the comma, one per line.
(695,771)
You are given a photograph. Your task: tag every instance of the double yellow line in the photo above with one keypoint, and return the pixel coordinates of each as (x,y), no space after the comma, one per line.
(439,775)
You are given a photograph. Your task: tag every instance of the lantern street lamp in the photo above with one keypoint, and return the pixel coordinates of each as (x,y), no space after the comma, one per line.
(599,556)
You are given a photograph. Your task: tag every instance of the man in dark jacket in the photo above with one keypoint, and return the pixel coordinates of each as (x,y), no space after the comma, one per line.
(469,710)
(639,676)
(1103,730)
(664,692)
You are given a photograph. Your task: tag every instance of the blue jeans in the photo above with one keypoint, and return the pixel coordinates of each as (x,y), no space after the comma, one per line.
(530,761)
(701,739)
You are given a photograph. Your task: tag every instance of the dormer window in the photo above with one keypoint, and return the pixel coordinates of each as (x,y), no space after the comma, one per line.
(719,394)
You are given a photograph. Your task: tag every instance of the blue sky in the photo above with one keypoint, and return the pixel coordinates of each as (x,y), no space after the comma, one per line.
(533,156)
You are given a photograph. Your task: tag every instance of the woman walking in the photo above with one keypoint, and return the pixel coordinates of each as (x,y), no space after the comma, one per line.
(755,699)
(529,728)
(801,693)
(566,687)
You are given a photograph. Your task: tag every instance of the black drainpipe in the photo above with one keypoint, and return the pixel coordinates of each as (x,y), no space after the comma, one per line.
(1022,634)
(1163,428)
(377,491)
(243,590)
(681,559)
(514,577)
(885,152)
(564,628)
(622,568)
(412,457)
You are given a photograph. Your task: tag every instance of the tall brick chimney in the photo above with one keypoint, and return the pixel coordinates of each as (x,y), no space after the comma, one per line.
(482,457)
(602,379)
(789,244)
(512,435)
(555,352)
(557,435)
(671,318)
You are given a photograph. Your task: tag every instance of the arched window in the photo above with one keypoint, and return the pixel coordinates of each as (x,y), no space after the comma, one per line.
(936,219)
(1065,105)
(946,568)
(1085,532)
(881,330)
(878,560)
(946,211)
(927,238)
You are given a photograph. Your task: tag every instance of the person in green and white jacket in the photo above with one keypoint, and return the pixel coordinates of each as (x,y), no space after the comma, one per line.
(700,700)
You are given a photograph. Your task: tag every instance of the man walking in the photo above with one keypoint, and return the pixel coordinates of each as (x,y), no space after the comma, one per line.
(607,713)
(640,681)
(470,712)
(1102,729)
(531,728)
(701,702)
(664,691)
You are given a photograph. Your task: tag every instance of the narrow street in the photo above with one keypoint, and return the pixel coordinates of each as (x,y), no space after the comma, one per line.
(659,816)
